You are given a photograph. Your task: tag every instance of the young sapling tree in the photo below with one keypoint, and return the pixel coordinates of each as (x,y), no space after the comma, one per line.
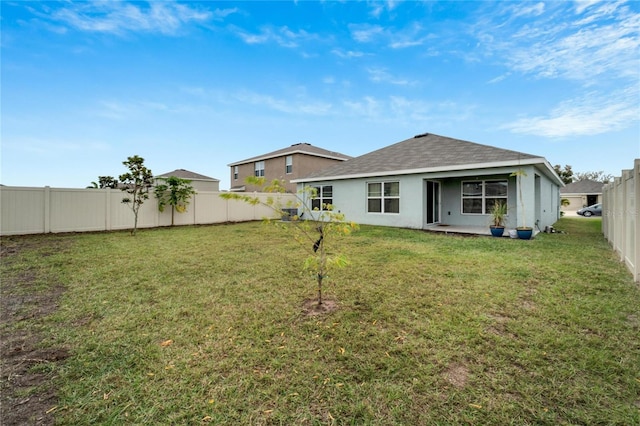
(316,228)
(136,182)
(175,192)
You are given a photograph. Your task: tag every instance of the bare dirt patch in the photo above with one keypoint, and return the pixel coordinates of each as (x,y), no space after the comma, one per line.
(310,308)
(27,394)
(457,375)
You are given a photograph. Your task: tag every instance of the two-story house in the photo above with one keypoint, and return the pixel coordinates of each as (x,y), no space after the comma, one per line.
(293,162)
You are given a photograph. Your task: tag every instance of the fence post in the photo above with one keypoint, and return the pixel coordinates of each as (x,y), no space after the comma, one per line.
(606,210)
(47,209)
(107,213)
(636,219)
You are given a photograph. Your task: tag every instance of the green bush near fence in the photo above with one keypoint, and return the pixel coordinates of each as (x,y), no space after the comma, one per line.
(198,325)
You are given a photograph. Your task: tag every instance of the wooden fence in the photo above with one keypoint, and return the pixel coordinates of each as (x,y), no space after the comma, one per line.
(621,209)
(26,210)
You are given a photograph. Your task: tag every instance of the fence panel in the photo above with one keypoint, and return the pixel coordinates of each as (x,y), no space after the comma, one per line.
(621,210)
(29,218)
(209,208)
(43,210)
(68,215)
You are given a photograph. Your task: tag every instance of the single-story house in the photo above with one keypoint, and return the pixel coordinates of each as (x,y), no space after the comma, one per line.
(433,181)
(200,183)
(581,194)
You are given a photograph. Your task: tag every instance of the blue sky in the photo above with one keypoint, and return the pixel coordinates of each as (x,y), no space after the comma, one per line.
(198,85)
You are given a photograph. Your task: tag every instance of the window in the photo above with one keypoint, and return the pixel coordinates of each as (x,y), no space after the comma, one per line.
(235,172)
(288,168)
(383,197)
(323,198)
(259,168)
(479,196)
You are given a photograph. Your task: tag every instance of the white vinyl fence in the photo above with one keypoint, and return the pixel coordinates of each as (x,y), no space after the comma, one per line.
(620,213)
(49,210)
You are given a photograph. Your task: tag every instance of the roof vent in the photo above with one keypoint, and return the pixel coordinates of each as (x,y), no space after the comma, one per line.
(301,143)
(421,136)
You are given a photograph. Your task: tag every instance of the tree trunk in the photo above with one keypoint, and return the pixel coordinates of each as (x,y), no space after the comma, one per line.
(135,222)
(319,289)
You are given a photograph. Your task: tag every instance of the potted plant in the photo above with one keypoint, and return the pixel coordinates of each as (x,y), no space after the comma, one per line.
(498,213)
(524,232)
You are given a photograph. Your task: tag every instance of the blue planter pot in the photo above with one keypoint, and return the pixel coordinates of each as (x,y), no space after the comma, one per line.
(497,231)
(525,233)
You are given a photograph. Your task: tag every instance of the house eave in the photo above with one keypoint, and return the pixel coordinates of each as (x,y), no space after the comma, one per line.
(478,166)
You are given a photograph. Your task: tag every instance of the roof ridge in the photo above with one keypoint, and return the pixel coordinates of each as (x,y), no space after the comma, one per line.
(292,149)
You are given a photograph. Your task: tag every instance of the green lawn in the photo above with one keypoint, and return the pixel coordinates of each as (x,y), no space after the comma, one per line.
(192,325)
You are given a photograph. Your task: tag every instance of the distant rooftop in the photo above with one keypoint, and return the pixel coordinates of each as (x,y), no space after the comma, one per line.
(186,174)
(297,148)
(585,186)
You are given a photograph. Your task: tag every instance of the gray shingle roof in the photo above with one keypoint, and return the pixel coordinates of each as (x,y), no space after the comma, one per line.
(298,148)
(186,174)
(419,153)
(586,186)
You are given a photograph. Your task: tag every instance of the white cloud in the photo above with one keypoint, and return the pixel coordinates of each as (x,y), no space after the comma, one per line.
(365,33)
(114,110)
(401,44)
(294,106)
(582,5)
(367,106)
(528,9)
(283,36)
(119,17)
(410,36)
(348,54)
(593,113)
(377,7)
(498,79)
(583,55)
(603,40)
(381,75)
(399,110)
(591,46)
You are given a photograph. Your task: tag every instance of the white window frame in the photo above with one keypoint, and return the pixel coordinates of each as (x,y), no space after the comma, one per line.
(259,169)
(383,197)
(323,197)
(483,197)
(235,172)
(288,164)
